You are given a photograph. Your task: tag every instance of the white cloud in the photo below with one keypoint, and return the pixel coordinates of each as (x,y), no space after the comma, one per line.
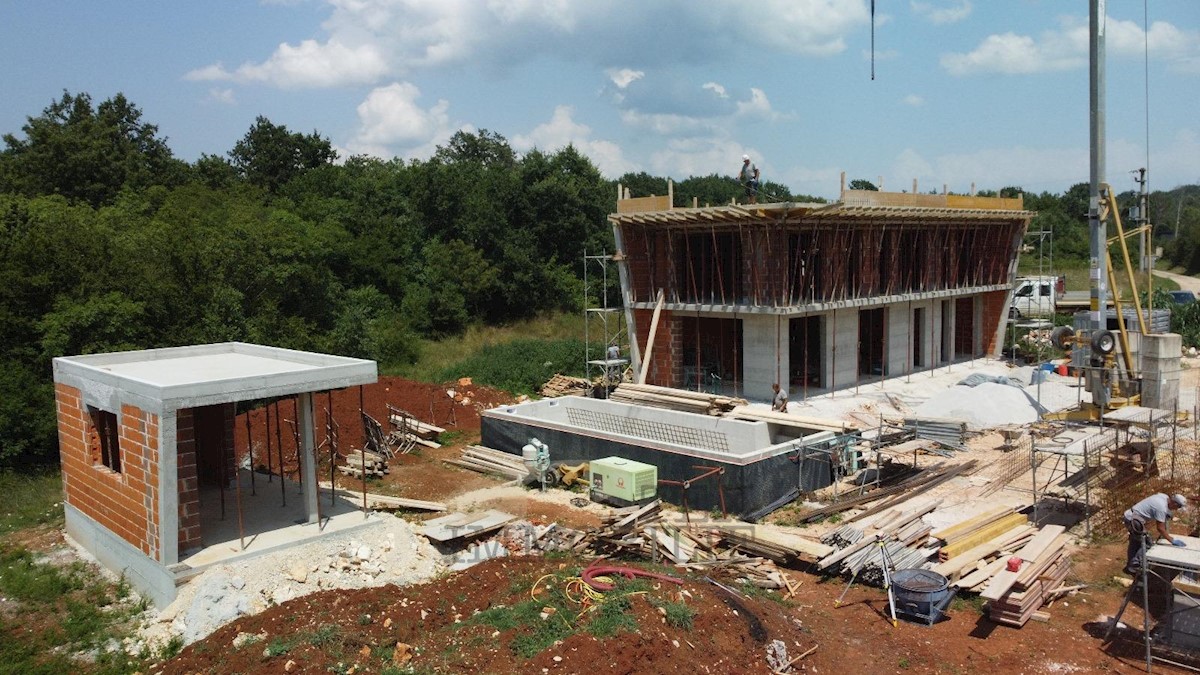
(664,123)
(309,64)
(1067,48)
(563,130)
(222,96)
(367,41)
(942,14)
(1013,54)
(390,117)
(913,100)
(625,76)
(756,106)
(716,89)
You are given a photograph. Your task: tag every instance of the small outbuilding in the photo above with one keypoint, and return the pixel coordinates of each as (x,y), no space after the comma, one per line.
(146,443)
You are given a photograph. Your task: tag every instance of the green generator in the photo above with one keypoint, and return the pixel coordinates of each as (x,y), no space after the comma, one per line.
(624,481)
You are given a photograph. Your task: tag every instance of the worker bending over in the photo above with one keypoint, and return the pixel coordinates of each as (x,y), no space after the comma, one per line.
(1149,517)
(780,402)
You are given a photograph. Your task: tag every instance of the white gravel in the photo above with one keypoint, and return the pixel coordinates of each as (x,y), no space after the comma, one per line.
(386,552)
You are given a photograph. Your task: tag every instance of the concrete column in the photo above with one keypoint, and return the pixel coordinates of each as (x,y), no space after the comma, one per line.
(764,354)
(168,489)
(899,339)
(841,334)
(304,420)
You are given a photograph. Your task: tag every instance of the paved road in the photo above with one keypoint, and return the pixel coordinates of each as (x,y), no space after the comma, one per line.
(1185,282)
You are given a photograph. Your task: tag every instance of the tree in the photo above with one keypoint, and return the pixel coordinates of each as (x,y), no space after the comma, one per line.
(862,184)
(87,155)
(270,156)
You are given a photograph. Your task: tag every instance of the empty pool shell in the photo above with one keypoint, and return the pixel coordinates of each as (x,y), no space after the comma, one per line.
(762,460)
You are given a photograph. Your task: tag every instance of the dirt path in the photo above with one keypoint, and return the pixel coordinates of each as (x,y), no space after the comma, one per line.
(1187,283)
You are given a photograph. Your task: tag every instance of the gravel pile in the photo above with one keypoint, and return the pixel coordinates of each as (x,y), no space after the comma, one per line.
(386,552)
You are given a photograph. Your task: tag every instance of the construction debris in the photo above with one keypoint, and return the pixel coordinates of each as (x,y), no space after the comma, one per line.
(359,462)
(564,385)
(409,432)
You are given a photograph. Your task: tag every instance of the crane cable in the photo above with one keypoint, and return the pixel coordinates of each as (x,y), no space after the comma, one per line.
(872,40)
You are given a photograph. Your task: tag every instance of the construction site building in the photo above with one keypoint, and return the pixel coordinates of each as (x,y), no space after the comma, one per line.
(817,297)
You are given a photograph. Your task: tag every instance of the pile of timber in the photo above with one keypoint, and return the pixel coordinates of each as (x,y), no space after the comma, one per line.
(971,532)
(1014,597)
(674,399)
(486,460)
(407,430)
(746,552)
(892,495)
(358,462)
(744,412)
(564,385)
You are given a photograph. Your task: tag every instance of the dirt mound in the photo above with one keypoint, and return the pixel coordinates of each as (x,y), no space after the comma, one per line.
(478,621)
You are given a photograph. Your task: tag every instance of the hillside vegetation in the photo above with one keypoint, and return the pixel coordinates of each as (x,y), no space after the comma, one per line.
(109,242)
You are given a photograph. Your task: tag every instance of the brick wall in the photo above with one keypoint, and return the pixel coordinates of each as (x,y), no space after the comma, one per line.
(665,367)
(124,503)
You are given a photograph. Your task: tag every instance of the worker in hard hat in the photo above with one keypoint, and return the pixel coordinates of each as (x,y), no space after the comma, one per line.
(748,177)
(1149,518)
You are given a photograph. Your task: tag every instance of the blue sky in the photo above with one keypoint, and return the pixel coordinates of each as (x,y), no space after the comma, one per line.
(988,92)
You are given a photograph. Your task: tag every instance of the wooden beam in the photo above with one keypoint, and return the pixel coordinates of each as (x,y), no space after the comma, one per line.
(650,340)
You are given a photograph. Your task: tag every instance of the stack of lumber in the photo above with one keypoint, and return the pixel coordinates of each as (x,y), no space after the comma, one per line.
(564,385)
(744,412)
(1015,596)
(359,462)
(969,533)
(486,460)
(961,569)
(674,399)
(409,428)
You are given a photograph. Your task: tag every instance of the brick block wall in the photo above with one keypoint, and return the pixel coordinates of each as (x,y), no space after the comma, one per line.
(665,367)
(125,503)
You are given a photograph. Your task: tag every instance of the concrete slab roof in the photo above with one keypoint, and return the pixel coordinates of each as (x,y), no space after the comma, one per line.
(216,373)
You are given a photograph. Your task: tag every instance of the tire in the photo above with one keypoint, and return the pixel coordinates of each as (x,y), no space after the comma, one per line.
(1061,337)
(1104,342)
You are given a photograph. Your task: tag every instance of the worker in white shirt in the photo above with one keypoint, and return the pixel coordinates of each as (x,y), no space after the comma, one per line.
(1149,518)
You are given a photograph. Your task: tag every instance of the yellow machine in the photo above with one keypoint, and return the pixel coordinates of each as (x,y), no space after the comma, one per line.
(1113,382)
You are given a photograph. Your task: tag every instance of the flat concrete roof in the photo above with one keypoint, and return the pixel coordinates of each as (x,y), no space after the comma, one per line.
(216,373)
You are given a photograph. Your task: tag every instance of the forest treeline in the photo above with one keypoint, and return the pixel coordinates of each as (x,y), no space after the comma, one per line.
(109,242)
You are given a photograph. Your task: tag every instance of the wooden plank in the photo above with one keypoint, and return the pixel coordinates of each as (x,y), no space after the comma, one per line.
(980,576)
(650,340)
(983,534)
(973,555)
(459,525)
(999,585)
(965,527)
(1040,542)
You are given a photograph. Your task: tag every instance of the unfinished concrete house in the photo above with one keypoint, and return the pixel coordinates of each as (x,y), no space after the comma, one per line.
(146,444)
(816,297)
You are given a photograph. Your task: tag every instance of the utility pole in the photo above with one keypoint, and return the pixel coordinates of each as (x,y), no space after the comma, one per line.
(1096,227)
(1145,253)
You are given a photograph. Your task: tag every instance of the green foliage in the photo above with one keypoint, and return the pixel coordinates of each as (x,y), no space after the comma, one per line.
(862,184)
(613,616)
(269,156)
(520,366)
(679,615)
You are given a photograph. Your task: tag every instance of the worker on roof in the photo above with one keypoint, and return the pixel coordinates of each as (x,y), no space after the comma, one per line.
(1149,518)
(748,177)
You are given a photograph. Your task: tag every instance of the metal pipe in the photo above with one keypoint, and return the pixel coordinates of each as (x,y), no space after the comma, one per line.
(270,467)
(363,452)
(1096,228)
(279,449)
(250,451)
(329,434)
(279,437)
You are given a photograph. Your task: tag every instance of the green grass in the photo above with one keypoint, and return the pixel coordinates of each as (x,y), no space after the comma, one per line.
(521,366)
(90,612)
(27,500)
(679,615)
(441,355)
